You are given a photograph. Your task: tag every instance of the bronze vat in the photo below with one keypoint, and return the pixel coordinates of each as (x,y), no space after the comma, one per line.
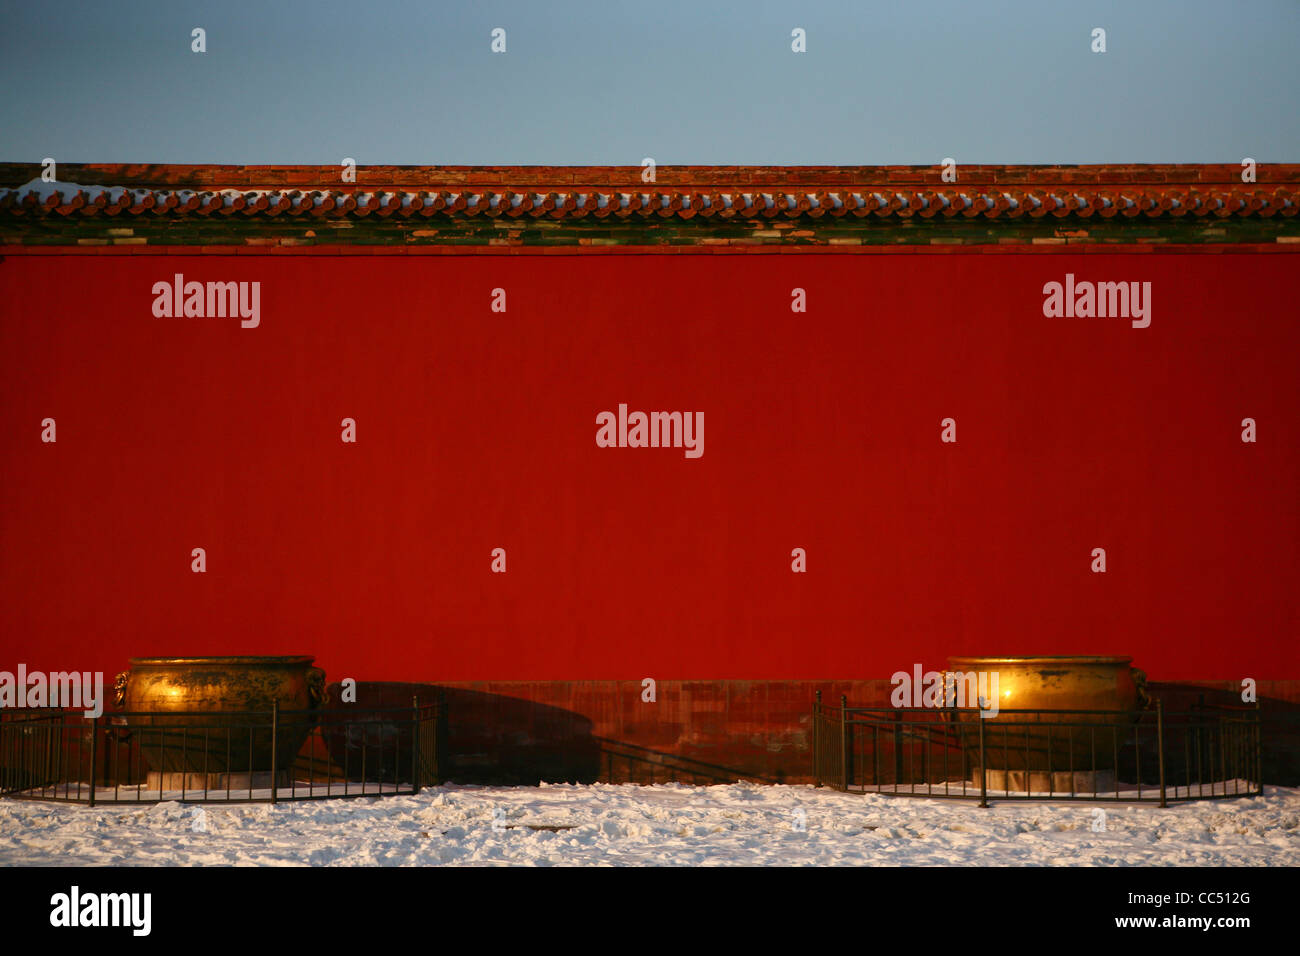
(211,716)
(1022,756)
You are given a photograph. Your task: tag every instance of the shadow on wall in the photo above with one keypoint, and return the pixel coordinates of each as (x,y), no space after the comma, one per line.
(1279,725)
(486,738)
(507,741)
(495,739)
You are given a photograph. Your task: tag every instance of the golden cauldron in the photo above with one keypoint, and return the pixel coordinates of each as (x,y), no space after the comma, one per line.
(202,721)
(1021,756)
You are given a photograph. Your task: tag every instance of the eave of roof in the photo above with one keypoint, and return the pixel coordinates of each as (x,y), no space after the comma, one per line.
(678,192)
(816,202)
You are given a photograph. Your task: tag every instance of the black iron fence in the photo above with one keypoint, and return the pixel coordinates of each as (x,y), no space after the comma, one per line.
(1122,756)
(228,757)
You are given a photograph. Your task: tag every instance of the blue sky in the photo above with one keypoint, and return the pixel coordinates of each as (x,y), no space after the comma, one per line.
(582,82)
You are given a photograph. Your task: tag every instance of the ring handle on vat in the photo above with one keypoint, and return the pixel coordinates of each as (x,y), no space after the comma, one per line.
(317,693)
(1140,682)
(120,683)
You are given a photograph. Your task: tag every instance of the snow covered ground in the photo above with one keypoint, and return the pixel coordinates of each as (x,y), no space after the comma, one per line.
(626,824)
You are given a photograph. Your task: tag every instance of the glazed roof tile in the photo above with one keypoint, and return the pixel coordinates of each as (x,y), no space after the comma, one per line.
(681,192)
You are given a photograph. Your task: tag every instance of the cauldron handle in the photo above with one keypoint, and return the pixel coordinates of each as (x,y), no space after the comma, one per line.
(1140,681)
(317,693)
(119,689)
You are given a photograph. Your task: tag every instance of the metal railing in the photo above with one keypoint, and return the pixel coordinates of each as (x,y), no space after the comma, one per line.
(1145,756)
(226,757)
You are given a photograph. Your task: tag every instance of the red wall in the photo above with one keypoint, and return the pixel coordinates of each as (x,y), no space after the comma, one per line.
(477,430)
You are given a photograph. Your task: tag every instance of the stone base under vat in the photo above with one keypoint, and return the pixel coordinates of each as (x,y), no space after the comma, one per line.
(1040,781)
(258,780)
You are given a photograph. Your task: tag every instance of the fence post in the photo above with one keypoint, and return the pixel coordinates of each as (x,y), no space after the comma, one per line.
(441,730)
(94,739)
(1160,747)
(1259,746)
(416,769)
(275,733)
(898,749)
(844,743)
(816,743)
(984,770)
